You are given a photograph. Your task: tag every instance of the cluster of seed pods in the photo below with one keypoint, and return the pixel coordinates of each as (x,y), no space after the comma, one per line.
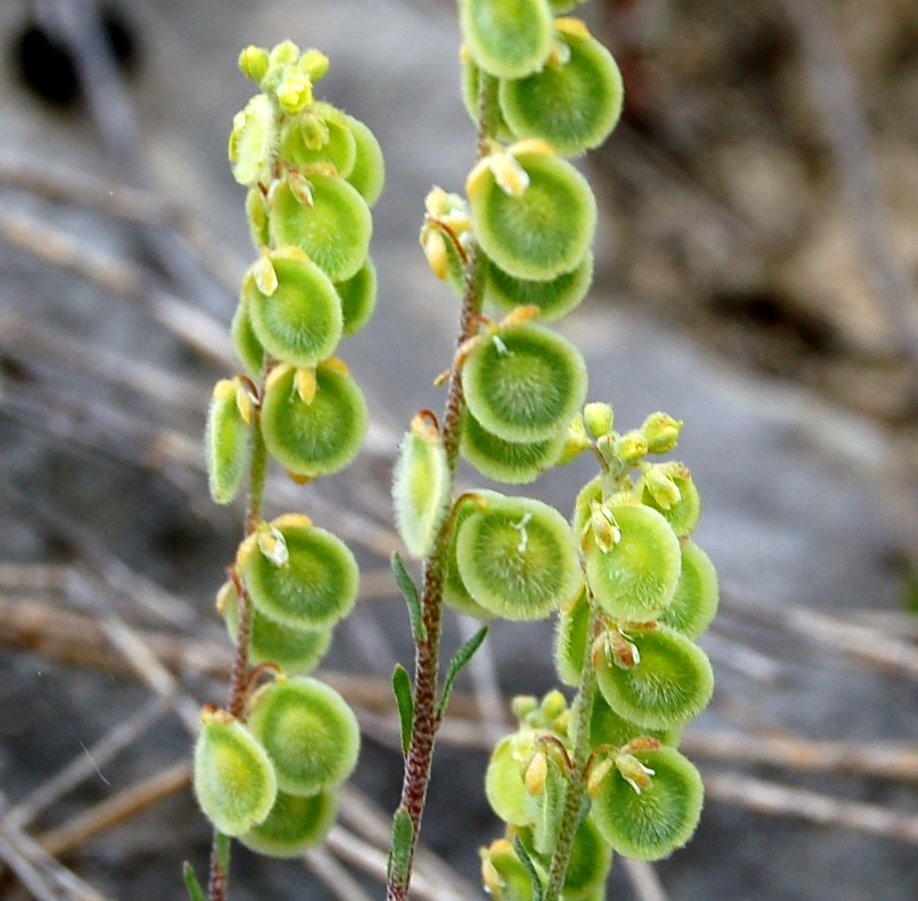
(267,772)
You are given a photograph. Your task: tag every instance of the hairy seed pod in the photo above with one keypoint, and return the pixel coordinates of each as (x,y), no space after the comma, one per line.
(507,38)
(455,594)
(234,780)
(316,585)
(300,322)
(226,440)
(516,463)
(368,176)
(695,602)
(358,298)
(245,342)
(294,824)
(573,105)
(525,383)
(636,579)
(542,231)
(517,557)
(339,149)
(420,487)
(319,437)
(659,820)
(570,640)
(682,515)
(589,865)
(334,231)
(608,728)
(295,651)
(671,684)
(251,141)
(309,732)
(505,786)
(555,298)
(470,86)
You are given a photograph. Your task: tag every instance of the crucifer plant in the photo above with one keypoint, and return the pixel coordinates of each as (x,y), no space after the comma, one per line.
(574,783)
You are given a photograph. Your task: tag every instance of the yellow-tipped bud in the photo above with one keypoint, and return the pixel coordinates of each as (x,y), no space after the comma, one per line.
(605,529)
(661,487)
(631,447)
(434,245)
(245,403)
(294,93)
(306,384)
(510,176)
(273,545)
(313,63)
(536,773)
(572,26)
(597,775)
(634,772)
(253,62)
(662,432)
(598,418)
(264,276)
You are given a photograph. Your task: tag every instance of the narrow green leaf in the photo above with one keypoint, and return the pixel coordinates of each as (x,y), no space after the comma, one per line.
(412,598)
(401,686)
(462,657)
(529,867)
(397,868)
(195,892)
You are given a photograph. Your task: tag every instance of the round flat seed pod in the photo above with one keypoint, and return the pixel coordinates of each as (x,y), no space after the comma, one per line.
(590,492)
(697,594)
(316,438)
(245,342)
(368,175)
(516,463)
(541,232)
(295,651)
(518,558)
(309,732)
(455,594)
(608,728)
(470,87)
(294,824)
(659,820)
(671,684)
(574,106)
(589,865)
(315,588)
(505,787)
(683,515)
(636,580)
(358,298)
(226,441)
(339,150)
(334,232)
(525,384)
(507,38)
(234,780)
(301,322)
(554,298)
(570,641)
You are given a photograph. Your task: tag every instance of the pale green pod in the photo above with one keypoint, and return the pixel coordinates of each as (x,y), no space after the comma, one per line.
(590,492)
(671,684)
(334,231)
(319,437)
(256,212)
(339,149)
(503,874)
(314,588)
(226,440)
(505,787)
(455,594)
(295,651)
(683,515)
(507,38)
(525,383)
(234,780)
(368,175)
(659,820)
(589,865)
(555,298)
(516,463)
(570,641)
(608,728)
(358,298)
(421,487)
(252,140)
(294,824)
(300,322)
(542,231)
(518,558)
(470,86)
(573,105)
(695,603)
(308,731)
(245,342)
(636,579)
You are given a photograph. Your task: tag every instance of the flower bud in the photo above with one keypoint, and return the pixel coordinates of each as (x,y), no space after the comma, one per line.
(661,487)
(253,62)
(631,447)
(662,432)
(313,63)
(635,773)
(598,418)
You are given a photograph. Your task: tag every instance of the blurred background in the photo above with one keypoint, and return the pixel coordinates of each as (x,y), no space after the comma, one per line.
(757,277)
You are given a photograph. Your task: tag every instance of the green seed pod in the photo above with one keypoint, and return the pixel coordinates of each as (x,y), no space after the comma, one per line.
(334,231)
(608,728)
(507,38)
(248,348)
(505,786)
(590,862)
(294,824)
(318,437)
(650,825)
(503,874)
(358,298)
(525,383)
(226,439)
(234,780)
(470,85)
(590,492)
(420,487)
(256,212)
(251,141)
(309,732)
(671,683)
(542,231)
(573,105)
(682,515)
(507,461)
(295,651)
(570,640)
(695,602)
(316,585)
(517,557)
(554,298)
(300,147)
(300,322)
(636,579)
(368,176)
(455,594)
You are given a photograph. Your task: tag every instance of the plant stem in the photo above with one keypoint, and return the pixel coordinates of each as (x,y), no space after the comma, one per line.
(576,783)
